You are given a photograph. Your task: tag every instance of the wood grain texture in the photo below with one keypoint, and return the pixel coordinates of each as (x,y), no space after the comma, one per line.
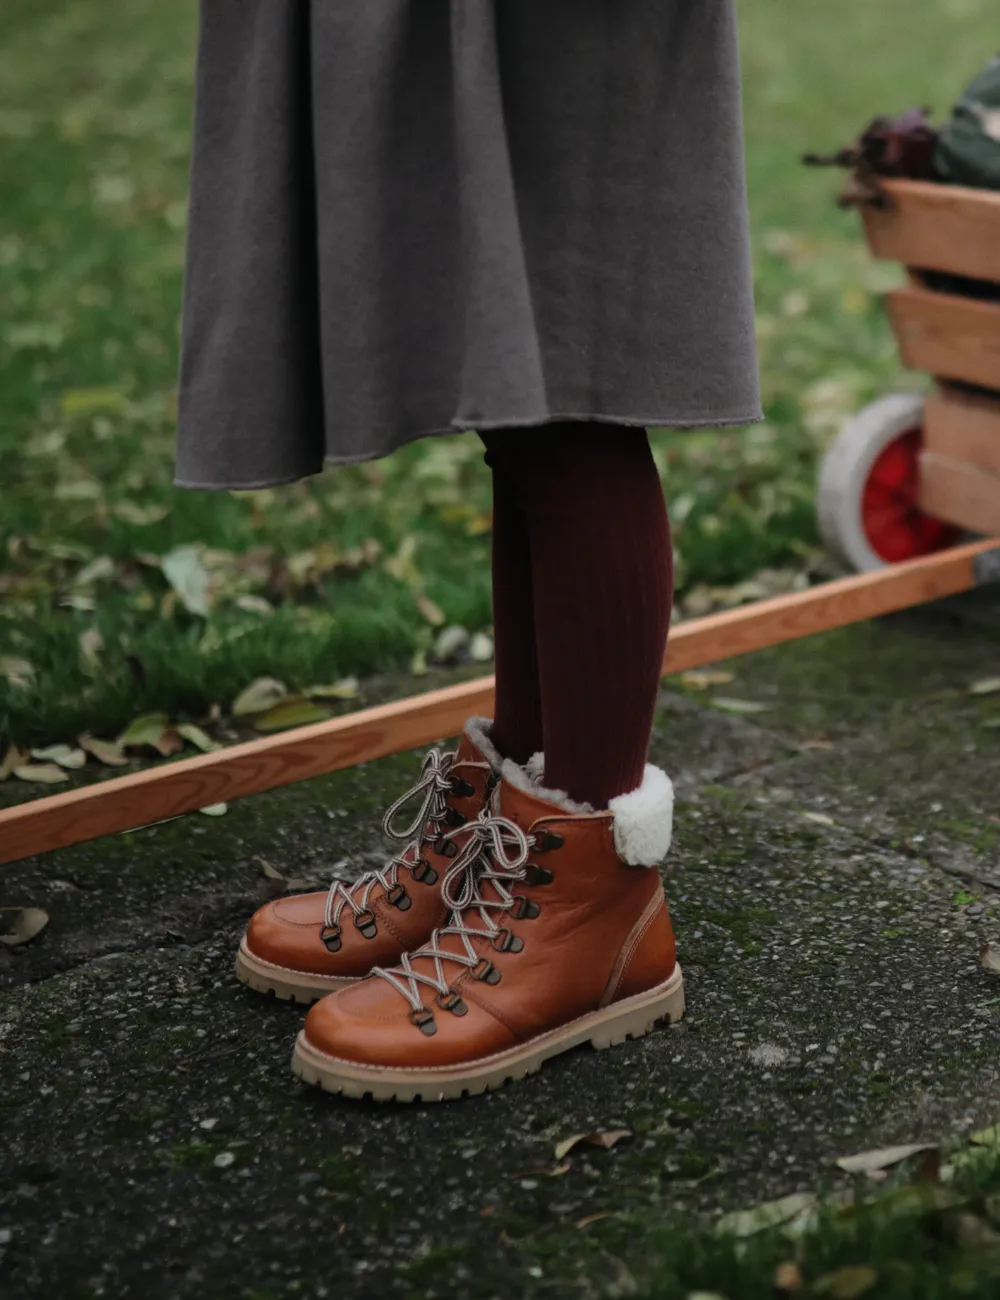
(126,802)
(937,228)
(960,493)
(948,336)
(964,426)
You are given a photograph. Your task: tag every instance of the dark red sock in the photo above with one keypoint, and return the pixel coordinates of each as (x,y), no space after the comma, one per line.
(602,589)
(517,713)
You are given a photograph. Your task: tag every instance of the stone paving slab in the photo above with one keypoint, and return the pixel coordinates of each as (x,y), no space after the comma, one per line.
(155,1142)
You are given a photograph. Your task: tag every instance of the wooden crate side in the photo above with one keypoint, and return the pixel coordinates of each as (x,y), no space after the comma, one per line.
(960,493)
(964,427)
(937,228)
(955,338)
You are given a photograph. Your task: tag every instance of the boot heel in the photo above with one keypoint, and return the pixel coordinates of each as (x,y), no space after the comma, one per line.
(634,1021)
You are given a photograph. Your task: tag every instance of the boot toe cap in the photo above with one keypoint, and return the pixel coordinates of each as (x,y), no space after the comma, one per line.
(371,1025)
(286,932)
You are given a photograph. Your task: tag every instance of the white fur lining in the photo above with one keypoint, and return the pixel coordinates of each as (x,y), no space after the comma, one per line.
(644,819)
(521,777)
(480,731)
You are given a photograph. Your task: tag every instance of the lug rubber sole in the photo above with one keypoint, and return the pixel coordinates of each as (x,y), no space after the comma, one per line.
(631,1018)
(287,984)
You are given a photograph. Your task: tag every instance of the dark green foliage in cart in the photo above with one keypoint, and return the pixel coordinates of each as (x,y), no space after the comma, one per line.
(968,150)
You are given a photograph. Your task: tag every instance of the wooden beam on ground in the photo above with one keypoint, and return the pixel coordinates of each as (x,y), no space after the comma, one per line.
(127,802)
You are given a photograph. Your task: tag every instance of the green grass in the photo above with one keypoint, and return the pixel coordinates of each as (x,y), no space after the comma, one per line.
(94,136)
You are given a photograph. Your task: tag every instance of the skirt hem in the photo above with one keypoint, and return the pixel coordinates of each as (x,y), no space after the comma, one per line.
(461,426)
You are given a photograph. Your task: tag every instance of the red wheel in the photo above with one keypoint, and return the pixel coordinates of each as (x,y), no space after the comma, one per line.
(869,487)
(895,526)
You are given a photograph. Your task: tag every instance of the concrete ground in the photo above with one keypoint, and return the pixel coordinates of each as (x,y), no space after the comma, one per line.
(836,869)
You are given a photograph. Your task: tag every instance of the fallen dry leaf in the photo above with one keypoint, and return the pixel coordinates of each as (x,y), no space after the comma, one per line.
(989,957)
(141,516)
(143,731)
(431,612)
(985,686)
(700,679)
(606,1139)
(13,758)
(787,1278)
(215,810)
(846,1283)
(43,773)
(821,818)
(65,755)
(91,645)
(986,1137)
(295,711)
(771,1214)
(592,1218)
(729,705)
(105,751)
(258,697)
(200,739)
(184,569)
(873,1162)
(545,1171)
(19,925)
(19,673)
(347,689)
(168,742)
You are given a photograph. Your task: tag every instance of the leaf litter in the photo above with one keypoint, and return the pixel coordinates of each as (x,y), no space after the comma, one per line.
(19,925)
(605,1139)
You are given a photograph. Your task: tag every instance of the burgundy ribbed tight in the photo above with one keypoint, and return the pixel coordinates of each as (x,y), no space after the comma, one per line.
(582,593)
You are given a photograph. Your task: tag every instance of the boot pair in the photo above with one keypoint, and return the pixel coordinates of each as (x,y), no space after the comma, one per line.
(513,925)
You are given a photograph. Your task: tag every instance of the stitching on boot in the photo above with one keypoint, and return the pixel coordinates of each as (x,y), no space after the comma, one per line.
(629,947)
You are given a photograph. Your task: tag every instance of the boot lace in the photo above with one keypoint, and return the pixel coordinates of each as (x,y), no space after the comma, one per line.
(432,789)
(495,853)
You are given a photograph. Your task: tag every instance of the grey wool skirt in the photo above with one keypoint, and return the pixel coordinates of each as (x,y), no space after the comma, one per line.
(411,217)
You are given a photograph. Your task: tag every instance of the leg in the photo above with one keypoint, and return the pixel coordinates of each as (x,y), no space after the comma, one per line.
(517,717)
(602,577)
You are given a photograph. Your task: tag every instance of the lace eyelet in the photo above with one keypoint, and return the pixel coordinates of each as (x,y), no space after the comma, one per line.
(505,941)
(424,872)
(536,875)
(485,972)
(398,897)
(366,923)
(447,848)
(450,1001)
(454,818)
(546,841)
(461,788)
(524,909)
(330,935)
(424,1021)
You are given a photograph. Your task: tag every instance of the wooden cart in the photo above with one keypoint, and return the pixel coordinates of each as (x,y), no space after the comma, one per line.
(908,475)
(902,482)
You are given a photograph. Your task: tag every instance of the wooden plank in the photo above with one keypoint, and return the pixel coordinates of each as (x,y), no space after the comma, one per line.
(960,493)
(184,786)
(948,336)
(964,426)
(937,228)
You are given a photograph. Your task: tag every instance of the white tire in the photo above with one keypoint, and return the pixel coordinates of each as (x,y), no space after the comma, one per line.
(845,470)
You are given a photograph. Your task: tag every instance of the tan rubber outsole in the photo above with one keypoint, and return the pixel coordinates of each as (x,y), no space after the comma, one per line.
(289,985)
(631,1018)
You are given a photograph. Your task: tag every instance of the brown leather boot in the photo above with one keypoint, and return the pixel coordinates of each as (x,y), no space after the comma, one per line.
(560,936)
(308,945)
